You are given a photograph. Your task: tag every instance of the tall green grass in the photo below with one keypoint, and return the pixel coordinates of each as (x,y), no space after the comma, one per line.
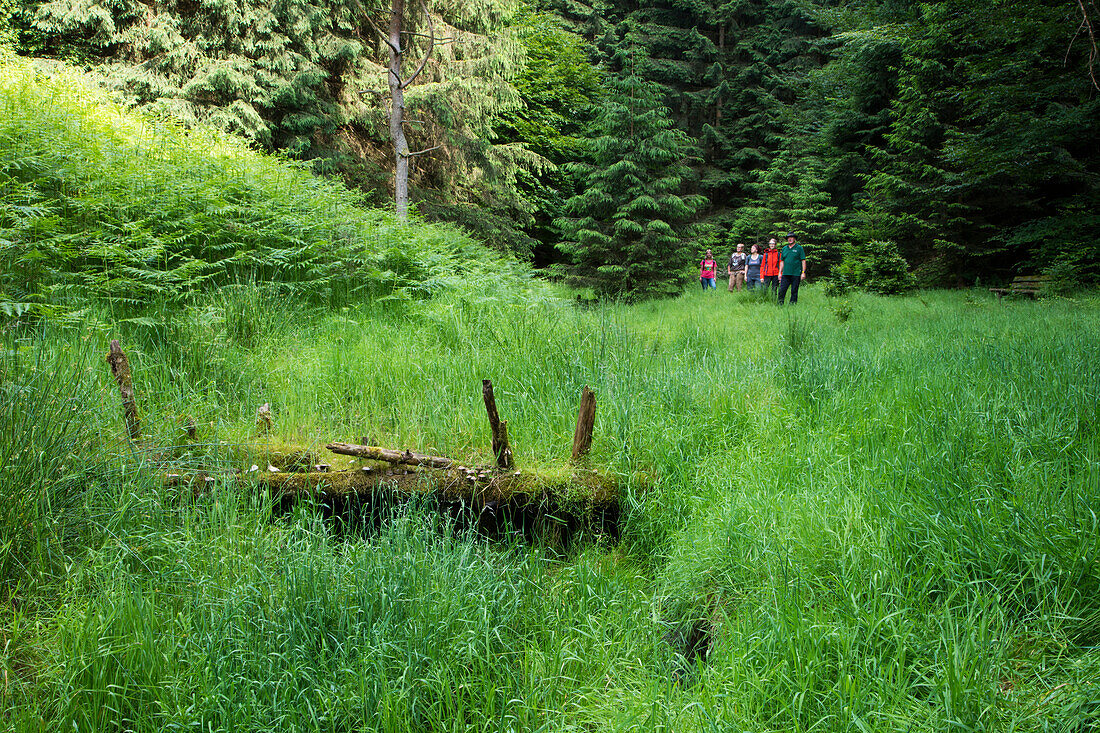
(882,523)
(47,460)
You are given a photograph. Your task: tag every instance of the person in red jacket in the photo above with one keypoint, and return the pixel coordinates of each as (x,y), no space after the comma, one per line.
(769,270)
(708,272)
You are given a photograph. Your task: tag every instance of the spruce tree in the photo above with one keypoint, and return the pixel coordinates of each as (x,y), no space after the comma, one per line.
(626,233)
(559,88)
(726,71)
(987,161)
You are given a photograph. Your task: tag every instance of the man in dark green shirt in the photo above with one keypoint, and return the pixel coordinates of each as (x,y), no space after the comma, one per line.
(792,268)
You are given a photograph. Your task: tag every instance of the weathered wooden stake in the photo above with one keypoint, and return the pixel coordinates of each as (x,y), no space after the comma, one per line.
(120,369)
(499,428)
(586,421)
(264,421)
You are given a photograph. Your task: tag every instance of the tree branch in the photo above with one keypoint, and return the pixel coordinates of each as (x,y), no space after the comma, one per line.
(431,47)
(381,35)
(421,152)
(1094,52)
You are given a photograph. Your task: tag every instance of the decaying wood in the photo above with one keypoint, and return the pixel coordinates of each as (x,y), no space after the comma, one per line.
(264,420)
(501,449)
(586,421)
(548,510)
(581,489)
(120,369)
(389,455)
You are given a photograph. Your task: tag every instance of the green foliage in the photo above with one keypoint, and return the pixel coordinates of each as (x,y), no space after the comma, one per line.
(465,174)
(558,87)
(626,231)
(728,73)
(792,198)
(958,131)
(1066,276)
(874,266)
(17,27)
(833,287)
(981,165)
(103,203)
(259,70)
(308,78)
(842,309)
(8,9)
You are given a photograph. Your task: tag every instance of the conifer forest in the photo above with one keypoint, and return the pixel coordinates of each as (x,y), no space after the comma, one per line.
(363,367)
(958,136)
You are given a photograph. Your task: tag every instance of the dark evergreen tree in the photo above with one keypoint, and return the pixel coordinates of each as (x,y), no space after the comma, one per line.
(626,232)
(791,197)
(559,88)
(987,163)
(727,72)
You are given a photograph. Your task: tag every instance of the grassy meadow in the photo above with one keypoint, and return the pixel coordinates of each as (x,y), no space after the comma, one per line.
(886,523)
(869,514)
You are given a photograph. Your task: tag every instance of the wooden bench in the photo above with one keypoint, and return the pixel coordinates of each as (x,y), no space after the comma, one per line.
(1030,285)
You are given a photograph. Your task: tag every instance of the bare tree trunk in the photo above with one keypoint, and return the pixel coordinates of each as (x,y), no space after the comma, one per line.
(120,370)
(501,449)
(397,112)
(586,421)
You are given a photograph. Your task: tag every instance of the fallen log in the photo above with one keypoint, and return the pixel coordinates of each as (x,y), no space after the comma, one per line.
(549,507)
(584,488)
(389,455)
(543,509)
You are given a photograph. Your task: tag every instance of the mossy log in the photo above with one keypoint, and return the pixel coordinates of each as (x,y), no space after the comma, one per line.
(549,508)
(582,488)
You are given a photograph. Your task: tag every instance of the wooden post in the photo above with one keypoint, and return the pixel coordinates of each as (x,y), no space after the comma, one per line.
(264,421)
(120,369)
(586,421)
(499,428)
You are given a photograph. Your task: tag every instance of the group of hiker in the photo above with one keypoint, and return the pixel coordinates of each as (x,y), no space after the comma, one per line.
(779,269)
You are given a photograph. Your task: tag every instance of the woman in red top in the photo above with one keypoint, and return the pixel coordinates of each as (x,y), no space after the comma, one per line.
(769,270)
(708,272)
